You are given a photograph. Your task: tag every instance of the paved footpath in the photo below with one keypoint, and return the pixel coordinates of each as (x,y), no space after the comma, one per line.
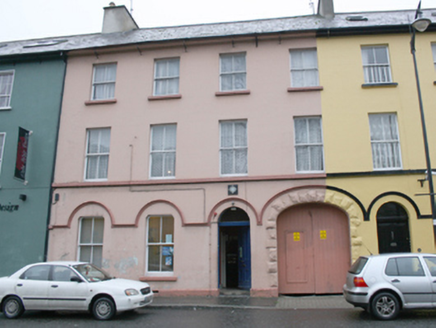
(282,302)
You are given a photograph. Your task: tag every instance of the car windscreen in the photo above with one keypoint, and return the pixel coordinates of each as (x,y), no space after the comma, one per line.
(91,273)
(358,266)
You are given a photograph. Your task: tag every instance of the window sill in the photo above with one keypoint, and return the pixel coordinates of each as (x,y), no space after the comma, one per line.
(100,102)
(305,89)
(232,93)
(5,108)
(380,85)
(166,97)
(157,278)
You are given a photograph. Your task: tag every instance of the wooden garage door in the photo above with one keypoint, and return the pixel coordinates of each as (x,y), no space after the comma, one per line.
(313,249)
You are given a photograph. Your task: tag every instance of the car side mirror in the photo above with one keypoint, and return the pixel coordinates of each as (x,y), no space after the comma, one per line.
(76,279)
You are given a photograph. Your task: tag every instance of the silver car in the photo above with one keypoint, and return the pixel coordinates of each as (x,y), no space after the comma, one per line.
(384,284)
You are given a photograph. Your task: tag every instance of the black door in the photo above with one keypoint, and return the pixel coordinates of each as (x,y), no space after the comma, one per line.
(393,229)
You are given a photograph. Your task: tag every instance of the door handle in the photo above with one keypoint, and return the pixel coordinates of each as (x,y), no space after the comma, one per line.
(19,285)
(395,280)
(54,286)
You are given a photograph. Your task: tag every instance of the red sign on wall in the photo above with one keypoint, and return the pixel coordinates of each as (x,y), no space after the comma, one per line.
(22,150)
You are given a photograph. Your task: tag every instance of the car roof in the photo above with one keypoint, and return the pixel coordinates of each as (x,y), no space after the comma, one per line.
(399,255)
(68,263)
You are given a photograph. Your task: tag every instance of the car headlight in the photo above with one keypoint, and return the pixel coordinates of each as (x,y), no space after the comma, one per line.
(131,292)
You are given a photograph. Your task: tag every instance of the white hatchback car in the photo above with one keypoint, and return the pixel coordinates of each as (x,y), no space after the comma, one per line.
(386,283)
(73,286)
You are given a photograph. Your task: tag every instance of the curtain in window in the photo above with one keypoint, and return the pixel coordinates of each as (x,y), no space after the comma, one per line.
(376,66)
(163,151)
(309,144)
(234,148)
(91,240)
(233,72)
(167,77)
(2,141)
(5,88)
(385,141)
(304,68)
(98,154)
(104,81)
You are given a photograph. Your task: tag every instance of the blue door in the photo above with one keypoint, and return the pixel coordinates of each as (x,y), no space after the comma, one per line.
(244,258)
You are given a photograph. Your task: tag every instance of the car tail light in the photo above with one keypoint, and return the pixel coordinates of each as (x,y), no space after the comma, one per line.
(359,282)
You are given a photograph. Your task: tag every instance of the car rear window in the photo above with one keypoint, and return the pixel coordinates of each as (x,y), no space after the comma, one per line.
(358,266)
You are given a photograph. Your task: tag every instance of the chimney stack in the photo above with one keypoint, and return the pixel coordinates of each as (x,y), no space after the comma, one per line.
(326,9)
(117,19)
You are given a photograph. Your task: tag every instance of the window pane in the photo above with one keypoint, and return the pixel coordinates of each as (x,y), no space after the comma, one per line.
(85,253)
(86,231)
(153,258)
(98,231)
(226,161)
(153,229)
(170,164)
(167,230)
(301,132)
(97,255)
(241,161)
(410,266)
(167,258)
(157,160)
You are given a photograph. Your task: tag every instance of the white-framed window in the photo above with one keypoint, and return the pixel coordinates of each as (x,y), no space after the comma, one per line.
(233,147)
(433,49)
(309,149)
(97,154)
(163,151)
(2,146)
(376,67)
(166,76)
(6,82)
(385,141)
(304,68)
(233,72)
(91,230)
(160,244)
(103,81)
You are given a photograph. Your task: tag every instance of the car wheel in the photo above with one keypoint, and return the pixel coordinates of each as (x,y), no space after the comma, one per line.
(103,309)
(12,307)
(385,306)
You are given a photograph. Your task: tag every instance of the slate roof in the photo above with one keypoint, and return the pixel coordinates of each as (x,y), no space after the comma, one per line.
(314,23)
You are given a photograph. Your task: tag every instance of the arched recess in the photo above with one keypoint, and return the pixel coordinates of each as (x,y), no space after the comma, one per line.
(156,202)
(233,202)
(349,204)
(81,207)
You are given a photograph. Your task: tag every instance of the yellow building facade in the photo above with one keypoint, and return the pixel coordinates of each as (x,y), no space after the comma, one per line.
(374,149)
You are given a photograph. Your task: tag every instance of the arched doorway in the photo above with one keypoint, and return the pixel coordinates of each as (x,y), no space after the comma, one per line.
(393,229)
(235,252)
(313,243)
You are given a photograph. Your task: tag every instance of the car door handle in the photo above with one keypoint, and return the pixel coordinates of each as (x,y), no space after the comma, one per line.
(54,286)
(19,285)
(395,280)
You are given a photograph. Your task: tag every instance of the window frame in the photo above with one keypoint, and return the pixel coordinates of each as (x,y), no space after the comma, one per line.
(375,68)
(165,152)
(92,244)
(161,243)
(233,148)
(433,50)
(97,154)
(7,95)
(167,78)
(309,144)
(2,148)
(397,142)
(105,82)
(233,73)
(304,69)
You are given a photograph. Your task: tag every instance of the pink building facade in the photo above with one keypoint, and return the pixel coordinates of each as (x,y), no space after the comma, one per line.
(180,163)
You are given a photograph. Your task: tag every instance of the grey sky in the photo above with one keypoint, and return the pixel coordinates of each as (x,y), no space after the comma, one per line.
(29,19)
